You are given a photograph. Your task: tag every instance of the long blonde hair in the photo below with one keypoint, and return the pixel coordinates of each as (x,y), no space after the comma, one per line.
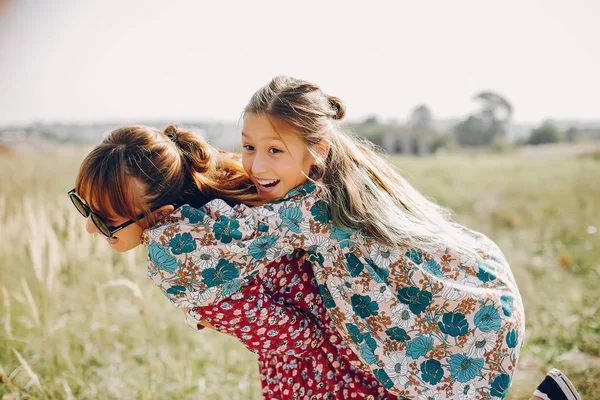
(174,166)
(360,186)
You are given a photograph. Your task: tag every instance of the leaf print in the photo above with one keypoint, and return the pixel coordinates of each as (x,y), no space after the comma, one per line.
(367,354)
(320,211)
(500,386)
(383,378)
(162,258)
(432,371)
(487,319)
(226,230)
(512,339)
(417,300)
(379,274)
(292,218)
(223,272)
(177,289)
(506,301)
(258,248)
(326,296)
(192,214)
(397,334)
(429,396)
(419,346)
(463,368)
(454,324)
(433,268)
(363,306)
(354,265)
(485,274)
(355,334)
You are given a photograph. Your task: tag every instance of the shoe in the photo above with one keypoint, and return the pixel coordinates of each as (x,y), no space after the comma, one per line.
(556,386)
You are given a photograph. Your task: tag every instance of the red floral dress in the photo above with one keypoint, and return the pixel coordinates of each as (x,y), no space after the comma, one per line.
(280,316)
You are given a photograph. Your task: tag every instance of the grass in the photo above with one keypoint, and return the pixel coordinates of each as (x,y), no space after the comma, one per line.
(79,321)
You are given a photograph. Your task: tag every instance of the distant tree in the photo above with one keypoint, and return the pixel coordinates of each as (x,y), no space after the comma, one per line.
(571,134)
(545,133)
(421,117)
(371,120)
(486,126)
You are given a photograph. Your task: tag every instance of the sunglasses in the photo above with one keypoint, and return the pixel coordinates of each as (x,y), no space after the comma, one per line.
(103,226)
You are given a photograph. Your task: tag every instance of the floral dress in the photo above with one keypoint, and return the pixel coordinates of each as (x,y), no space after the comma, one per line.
(439,325)
(280,316)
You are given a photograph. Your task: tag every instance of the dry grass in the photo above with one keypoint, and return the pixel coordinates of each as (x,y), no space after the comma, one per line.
(80,322)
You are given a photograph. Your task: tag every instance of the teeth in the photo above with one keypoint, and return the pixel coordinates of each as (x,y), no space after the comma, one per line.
(266,182)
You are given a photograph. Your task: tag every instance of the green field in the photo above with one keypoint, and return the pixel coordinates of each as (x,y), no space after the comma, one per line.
(81,322)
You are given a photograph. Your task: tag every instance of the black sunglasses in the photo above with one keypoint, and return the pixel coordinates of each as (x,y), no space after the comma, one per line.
(104,228)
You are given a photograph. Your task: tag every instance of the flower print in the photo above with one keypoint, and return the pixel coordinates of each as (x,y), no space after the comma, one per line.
(429,396)
(473,286)
(258,248)
(452,293)
(363,306)
(292,218)
(463,368)
(419,346)
(223,272)
(235,248)
(226,230)
(433,268)
(402,316)
(320,212)
(318,244)
(305,227)
(487,319)
(397,334)
(382,292)
(500,386)
(506,300)
(205,257)
(231,287)
(454,324)
(266,211)
(466,391)
(279,250)
(384,256)
(417,300)
(217,206)
(432,371)
(416,256)
(161,258)
(155,233)
(397,368)
(198,297)
(512,339)
(192,214)
(182,243)
(478,345)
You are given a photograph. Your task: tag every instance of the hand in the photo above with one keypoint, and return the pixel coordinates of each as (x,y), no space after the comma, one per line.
(202,323)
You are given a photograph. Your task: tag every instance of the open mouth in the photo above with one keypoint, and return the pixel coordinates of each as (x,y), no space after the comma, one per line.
(112,240)
(266,185)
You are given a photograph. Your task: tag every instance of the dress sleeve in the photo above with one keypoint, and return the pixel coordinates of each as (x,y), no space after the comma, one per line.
(264,324)
(198,257)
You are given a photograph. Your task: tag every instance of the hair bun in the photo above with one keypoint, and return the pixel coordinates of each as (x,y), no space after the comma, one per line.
(172,132)
(338,107)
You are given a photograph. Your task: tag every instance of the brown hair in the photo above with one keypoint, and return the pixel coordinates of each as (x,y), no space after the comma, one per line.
(174,166)
(360,186)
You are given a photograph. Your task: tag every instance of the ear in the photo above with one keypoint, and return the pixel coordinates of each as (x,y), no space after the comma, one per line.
(322,148)
(163,212)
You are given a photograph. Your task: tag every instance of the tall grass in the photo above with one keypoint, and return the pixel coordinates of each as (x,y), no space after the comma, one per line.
(81,322)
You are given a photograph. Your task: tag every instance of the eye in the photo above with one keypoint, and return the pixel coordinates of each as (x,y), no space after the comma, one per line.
(274,150)
(248,147)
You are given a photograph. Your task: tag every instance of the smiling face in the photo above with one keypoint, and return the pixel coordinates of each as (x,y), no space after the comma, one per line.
(274,156)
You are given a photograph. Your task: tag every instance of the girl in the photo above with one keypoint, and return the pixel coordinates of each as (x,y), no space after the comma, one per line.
(429,306)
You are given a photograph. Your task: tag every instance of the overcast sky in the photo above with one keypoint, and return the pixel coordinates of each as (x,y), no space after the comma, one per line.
(78,60)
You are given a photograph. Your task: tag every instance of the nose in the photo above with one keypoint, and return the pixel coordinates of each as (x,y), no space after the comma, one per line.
(90,227)
(259,164)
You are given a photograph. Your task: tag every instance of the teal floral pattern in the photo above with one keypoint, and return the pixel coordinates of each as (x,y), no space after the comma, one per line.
(435,323)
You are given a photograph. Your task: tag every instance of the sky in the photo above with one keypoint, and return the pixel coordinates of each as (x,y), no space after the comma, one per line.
(94,61)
